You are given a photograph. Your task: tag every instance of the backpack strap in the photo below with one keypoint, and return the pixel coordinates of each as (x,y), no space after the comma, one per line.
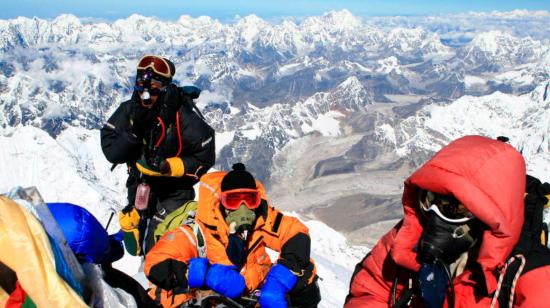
(531,231)
(197,110)
(530,252)
(190,93)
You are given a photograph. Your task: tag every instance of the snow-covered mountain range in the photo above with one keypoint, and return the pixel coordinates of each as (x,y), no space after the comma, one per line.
(71,168)
(264,84)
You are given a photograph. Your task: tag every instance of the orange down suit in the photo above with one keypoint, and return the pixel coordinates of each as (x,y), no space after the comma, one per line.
(272,229)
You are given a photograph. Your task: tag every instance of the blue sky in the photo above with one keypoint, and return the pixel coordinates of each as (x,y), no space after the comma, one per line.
(228,9)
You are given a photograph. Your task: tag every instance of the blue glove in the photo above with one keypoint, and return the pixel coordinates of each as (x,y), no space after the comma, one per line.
(279,282)
(196,272)
(225,280)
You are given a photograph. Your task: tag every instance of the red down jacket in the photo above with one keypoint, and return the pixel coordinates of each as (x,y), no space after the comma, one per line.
(488,177)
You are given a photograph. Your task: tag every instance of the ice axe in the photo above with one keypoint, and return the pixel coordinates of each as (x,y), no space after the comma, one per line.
(113,211)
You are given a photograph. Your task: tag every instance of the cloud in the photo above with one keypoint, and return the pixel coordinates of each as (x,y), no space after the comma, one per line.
(515,14)
(93,20)
(55,110)
(216,96)
(459,29)
(75,69)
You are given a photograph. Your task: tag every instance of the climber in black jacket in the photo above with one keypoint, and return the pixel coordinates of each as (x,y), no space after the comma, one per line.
(165,142)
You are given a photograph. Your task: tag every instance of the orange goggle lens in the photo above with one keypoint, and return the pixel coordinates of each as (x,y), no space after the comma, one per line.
(232,199)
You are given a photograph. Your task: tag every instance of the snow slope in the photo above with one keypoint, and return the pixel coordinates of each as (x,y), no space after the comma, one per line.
(525,119)
(70,169)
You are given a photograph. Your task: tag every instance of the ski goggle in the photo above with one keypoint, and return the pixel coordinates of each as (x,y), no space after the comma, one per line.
(232,199)
(446,207)
(152,91)
(157,64)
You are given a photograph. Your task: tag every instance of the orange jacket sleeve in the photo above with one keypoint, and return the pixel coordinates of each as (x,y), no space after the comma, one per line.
(178,244)
(281,229)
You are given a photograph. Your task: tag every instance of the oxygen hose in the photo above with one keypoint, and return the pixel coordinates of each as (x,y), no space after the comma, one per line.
(406,295)
(452,294)
(394,290)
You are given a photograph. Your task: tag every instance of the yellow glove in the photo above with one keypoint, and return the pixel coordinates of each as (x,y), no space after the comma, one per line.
(129,223)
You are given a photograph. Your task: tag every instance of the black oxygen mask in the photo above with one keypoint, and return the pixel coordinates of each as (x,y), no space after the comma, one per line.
(144,87)
(444,241)
(449,229)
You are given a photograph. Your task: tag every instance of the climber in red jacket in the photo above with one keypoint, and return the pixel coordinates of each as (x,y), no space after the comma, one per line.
(464,211)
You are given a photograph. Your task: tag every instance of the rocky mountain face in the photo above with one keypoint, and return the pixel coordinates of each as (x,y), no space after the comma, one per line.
(354,184)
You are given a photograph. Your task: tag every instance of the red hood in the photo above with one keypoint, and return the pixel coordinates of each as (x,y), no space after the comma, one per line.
(488,177)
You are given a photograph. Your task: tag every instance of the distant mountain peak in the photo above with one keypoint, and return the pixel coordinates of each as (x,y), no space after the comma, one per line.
(343,18)
(351,83)
(67,19)
(492,41)
(251,19)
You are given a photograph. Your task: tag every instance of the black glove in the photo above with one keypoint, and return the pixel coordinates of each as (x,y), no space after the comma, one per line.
(127,209)
(164,167)
(171,102)
(142,118)
(169,274)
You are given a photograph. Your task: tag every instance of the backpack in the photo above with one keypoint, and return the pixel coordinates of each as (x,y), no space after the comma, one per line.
(533,240)
(184,215)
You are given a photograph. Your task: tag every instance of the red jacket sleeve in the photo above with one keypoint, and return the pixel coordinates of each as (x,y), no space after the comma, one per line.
(372,282)
(532,288)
